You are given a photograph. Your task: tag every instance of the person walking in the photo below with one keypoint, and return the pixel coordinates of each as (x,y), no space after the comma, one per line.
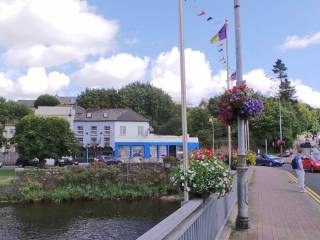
(299,170)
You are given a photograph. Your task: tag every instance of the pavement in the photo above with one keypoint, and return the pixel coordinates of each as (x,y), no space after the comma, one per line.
(277,210)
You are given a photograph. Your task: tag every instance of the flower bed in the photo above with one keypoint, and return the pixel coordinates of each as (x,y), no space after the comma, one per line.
(206,174)
(239,101)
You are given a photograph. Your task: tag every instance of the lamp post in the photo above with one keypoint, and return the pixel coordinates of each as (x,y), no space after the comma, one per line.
(183,99)
(242,169)
(211,120)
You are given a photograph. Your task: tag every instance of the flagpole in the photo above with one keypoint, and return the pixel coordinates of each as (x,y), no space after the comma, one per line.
(183,99)
(228,86)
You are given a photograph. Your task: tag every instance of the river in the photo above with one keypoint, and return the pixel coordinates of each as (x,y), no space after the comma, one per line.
(116,220)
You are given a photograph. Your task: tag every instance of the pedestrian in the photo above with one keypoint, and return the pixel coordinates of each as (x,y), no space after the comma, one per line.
(299,170)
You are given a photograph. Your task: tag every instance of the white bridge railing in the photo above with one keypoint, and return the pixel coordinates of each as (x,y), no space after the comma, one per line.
(195,220)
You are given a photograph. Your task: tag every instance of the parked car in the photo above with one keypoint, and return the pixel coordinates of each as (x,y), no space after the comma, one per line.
(269,160)
(65,161)
(107,159)
(286,153)
(311,162)
(23,162)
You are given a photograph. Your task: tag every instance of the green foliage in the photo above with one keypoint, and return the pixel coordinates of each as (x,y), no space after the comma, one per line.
(31,191)
(44,137)
(11,112)
(46,100)
(149,101)
(286,91)
(251,158)
(4,172)
(99,98)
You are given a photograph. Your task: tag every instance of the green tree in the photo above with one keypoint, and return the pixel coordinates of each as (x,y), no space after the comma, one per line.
(151,102)
(44,137)
(99,98)
(46,100)
(286,91)
(199,126)
(11,111)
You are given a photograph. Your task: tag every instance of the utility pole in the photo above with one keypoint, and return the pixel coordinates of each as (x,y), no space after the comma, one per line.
(183,99)
(211,120)
(242,169)
(266,143)
(228,86)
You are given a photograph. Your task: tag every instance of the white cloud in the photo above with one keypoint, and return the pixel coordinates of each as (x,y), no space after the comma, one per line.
(200,83)
(33,84)
(115,71)
(50,33)
(293,42)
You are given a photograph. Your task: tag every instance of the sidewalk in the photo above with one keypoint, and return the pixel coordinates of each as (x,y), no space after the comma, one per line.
(277,211)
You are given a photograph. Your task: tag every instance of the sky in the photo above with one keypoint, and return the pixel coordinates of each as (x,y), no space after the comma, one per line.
(64,46)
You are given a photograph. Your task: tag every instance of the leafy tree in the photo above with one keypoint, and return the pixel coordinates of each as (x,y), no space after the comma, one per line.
(98,98)
(149,101)
(42,137)
(46,100)
(286,91)
(12,111)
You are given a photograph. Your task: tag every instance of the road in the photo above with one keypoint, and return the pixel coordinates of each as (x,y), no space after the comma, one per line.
(312,180)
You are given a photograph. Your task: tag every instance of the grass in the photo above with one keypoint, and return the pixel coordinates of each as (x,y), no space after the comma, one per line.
(6,180)
(7,172)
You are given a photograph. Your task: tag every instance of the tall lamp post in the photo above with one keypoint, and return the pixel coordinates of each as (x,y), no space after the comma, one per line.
(183,99)
(211,120)
(242,169)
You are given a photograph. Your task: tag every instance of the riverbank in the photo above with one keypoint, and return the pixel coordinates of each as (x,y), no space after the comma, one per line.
(96,182)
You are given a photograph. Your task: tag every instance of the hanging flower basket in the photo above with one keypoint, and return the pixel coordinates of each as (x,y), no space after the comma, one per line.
(239,101)
(205,175)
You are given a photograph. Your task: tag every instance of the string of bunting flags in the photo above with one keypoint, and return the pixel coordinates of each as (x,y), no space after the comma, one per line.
(218,37)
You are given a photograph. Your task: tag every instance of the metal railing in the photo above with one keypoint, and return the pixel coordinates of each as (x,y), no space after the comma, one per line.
(198,219)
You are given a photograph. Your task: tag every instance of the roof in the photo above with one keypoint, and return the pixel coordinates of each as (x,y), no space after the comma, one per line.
(29,103)
(103,115)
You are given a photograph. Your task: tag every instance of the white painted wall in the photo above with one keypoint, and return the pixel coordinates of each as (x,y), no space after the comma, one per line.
(65,112)
(131,129)
(9,130)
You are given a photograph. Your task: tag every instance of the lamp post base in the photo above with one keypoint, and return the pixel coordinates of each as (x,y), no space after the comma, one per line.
(242,223)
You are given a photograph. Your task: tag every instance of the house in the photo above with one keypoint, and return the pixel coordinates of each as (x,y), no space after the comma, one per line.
(9,130)
(127,133)
(66,112)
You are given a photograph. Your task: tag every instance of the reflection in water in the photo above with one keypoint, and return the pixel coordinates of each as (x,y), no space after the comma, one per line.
(123,220)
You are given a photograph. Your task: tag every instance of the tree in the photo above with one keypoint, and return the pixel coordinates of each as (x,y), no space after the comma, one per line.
(44,137)
(46,100)
(198,125)
(149,101)
(98,98)
(286,91)
(12,112)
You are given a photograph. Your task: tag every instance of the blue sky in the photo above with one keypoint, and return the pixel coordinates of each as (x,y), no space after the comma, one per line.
(64,46)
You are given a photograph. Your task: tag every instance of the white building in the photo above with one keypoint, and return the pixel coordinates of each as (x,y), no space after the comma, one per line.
(66,112)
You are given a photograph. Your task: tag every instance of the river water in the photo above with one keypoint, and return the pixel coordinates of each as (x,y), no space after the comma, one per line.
(121,220)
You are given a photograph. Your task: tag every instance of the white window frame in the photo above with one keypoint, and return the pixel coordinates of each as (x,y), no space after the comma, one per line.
(140,130)
(94,130)
(123,130)
(80,130)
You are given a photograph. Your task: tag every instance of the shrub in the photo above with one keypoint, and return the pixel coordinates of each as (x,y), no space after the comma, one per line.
(251,158)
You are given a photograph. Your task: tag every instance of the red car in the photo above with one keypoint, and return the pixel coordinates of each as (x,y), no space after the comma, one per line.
(311,162)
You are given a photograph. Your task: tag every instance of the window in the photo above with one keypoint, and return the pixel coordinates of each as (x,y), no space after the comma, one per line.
(93,130)
(107,130)
(153,153)
(107,142)
(89,115)
(80,130)
(80,140)
(137,151)
(124,152)
(105,115)
(162,151)
(12,131)
(140,130)
(123,130)
(93,140)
